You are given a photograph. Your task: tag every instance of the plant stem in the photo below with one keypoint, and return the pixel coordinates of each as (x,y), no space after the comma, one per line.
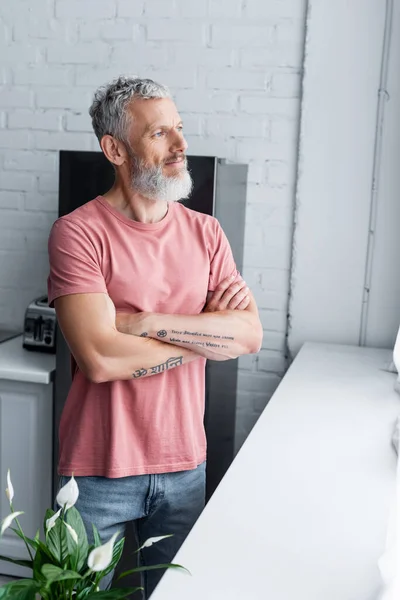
(22,533)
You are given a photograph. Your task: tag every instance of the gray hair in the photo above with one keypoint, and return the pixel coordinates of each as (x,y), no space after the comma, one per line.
(109,107)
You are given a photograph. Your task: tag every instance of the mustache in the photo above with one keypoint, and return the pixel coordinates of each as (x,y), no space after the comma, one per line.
(175,157)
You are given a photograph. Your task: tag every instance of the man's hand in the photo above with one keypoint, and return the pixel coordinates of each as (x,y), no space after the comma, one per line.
(228,296)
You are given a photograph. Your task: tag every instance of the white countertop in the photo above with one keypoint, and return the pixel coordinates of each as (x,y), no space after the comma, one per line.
(302,512)
(18,364)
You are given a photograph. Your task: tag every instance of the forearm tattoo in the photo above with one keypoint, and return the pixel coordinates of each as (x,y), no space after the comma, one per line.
(207,344)
(174,361)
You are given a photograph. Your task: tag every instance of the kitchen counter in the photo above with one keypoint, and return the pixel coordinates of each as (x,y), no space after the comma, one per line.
(18,364)
(303,510)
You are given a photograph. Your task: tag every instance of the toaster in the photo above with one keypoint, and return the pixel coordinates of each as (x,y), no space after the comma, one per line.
(40,326)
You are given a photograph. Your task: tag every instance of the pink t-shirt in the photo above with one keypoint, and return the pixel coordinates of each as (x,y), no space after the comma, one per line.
(154,424)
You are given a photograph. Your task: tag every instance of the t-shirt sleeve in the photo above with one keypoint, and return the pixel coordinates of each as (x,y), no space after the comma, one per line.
(222,262)
(74,265)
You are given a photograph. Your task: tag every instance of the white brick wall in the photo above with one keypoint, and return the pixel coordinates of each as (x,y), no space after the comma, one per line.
(234,67)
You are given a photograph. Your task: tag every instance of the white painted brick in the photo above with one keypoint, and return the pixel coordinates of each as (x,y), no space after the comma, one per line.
(241,35)
(22,54)
(5,35)
(203,57)
(290,30)
(44,75)
(159,8)
(225,8)
(41,201)
(284,129)
(248,362)
(23,160)
(14,180)
(257,9)
(286,85)
(274,340)
(10,199)
(3,119)
(258,382)
(192,10)
(15,139)
(15,98)
(27,119)
(268,257)
(193,124)
(90,9)
(41,29)
(93,76)
(79,122)
(209,146)
(27,221)
(11,239)
(236,79)
(233,126)
(40,9)
(48,182)
(74,98)
(62,141)
(275,54)
(130,8)
(257,171)
(279,173)
(108,30)
(262,104)
(5,75)
(82,53)
(271,361)
(250,149)
(178,79)
(199,101)
(184,31)
(126,57)
(273,320)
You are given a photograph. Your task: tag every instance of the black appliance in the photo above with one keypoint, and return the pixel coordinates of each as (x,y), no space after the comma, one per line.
(219,189)
(40,326)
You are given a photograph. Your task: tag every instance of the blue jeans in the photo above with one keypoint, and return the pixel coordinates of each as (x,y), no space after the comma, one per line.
(156,504)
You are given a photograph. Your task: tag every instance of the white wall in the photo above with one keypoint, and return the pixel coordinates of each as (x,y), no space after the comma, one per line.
(331,298)
(235,69)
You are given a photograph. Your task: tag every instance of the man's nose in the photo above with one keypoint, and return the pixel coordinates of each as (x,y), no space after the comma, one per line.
(179,143)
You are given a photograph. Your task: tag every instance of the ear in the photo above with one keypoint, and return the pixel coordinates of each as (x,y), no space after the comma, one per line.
(114,150)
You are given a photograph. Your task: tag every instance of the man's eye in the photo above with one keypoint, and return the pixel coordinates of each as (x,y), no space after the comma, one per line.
(180,127)
(158,134)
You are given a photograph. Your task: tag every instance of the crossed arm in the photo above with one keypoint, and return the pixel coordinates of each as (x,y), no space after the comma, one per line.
(97,336)
(219,332)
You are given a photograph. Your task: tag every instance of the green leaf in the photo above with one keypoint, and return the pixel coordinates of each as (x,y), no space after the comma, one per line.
(117,553)
(96,536)
(40,559)
(57,542)
(22,589)
(113,594)
(78,552)
(22,563)
(151,568)
(54,573)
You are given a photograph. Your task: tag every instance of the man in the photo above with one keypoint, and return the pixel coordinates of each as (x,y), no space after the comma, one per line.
(144,290)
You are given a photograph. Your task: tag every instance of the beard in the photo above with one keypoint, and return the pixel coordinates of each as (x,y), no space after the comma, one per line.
(153,184)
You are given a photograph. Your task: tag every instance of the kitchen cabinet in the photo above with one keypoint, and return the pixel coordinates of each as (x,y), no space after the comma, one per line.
(26,439)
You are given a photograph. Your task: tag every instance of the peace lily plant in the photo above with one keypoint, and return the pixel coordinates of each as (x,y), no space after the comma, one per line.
(64,565)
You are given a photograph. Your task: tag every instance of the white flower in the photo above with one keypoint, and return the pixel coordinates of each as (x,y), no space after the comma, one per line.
(68,495)
(8,520)
(154,540)
(72,531)
(52,521)
(100,558)
(10,489)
